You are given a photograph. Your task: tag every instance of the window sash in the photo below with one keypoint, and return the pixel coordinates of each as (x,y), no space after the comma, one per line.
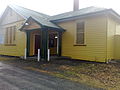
(10,35)
(80,38)
(80,33)
(14,33)
(6,39)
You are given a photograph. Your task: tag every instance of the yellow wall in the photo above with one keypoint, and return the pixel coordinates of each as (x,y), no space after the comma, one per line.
(117,47)
(18,49)
(95,37)
(117,43)
(111,30)
(118,29)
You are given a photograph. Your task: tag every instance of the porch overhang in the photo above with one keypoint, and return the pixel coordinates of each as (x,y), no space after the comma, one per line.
(32,24)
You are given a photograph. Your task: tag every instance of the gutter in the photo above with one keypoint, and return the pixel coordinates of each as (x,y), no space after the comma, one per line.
(84,15)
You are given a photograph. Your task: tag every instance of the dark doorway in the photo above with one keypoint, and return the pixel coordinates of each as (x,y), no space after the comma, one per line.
(37,43)
(53,44)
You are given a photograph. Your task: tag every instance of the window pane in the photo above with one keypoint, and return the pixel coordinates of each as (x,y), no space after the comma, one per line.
(80,33)
(10,34)
(80,38)
(14,30)
(80,30)
(80,26)
(6,36)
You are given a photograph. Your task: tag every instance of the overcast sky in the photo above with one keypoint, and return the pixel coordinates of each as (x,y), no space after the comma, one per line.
(52,7)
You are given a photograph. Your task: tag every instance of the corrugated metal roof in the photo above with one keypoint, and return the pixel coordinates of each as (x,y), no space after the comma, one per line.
(80,12)
(39,17)
(47,20)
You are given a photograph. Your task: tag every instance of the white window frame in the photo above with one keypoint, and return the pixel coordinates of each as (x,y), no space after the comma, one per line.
(10,39)
(81,44)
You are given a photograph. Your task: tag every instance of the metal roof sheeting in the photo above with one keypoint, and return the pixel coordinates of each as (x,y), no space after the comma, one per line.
(49,21)
(80,12)
(39,17)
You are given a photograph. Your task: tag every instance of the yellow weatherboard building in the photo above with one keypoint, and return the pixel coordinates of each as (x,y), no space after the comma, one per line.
(90,33)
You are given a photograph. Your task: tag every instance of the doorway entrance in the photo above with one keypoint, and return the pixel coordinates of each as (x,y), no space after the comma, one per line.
(37,43)
(53,44)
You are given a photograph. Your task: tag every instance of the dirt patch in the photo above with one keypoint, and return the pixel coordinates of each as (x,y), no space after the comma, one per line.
(2,58)
(104,75)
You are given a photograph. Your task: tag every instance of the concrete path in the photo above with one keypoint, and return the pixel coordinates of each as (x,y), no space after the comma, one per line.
(14,78)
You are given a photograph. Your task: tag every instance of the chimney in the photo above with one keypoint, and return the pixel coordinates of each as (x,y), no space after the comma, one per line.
(76,5)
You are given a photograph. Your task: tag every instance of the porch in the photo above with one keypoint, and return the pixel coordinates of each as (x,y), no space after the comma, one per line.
(41,41)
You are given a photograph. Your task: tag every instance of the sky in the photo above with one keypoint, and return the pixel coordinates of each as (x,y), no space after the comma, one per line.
(53,7)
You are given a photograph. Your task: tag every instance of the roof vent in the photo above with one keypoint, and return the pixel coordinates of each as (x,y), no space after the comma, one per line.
(76,5)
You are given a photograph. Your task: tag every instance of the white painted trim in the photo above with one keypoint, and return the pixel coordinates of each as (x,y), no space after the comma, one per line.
(48,55)
(58,43)
(39,55)
(25,57)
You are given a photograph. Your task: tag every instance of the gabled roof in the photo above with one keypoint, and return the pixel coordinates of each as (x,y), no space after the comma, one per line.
(39,17)
(80,12)
(50,21)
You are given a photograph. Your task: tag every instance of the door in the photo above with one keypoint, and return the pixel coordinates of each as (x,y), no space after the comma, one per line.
(53,44)
(37,43)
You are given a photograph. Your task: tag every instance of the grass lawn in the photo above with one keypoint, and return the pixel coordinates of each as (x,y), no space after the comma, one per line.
(99,75)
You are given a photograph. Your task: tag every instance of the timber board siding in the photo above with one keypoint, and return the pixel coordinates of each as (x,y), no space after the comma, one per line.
(32,25)
(7,19)
(95,38)
(20,42)
(111,31)
(113,39)
(117,47)
(112,45)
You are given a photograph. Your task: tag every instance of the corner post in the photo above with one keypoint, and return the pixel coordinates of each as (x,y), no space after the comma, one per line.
(59,43)
(44,44)
(27,43)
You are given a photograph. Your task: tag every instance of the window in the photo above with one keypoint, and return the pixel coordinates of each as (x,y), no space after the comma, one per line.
(80,33)
(10,35)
